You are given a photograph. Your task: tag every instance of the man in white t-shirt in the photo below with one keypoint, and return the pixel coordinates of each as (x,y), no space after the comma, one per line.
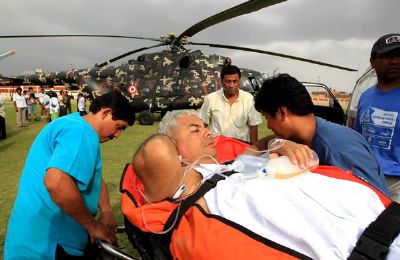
(54,106)
(81,104)
(20,105)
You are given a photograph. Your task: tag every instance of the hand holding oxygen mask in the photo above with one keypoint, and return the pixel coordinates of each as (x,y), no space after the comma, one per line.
(278,168)
(282,168)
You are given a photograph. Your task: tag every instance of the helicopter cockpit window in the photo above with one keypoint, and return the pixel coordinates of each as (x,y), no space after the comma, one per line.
(259,78)
(254,84)
(184,62)
(246,84)
(211,87)
(193,89)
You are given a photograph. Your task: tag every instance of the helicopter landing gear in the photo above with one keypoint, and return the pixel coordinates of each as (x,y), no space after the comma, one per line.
(146,118)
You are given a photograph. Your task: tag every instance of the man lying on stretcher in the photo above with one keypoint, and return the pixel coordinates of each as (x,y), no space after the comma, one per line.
(317,216)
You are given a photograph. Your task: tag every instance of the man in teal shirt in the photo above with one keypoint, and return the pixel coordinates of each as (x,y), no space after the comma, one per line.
(61,187)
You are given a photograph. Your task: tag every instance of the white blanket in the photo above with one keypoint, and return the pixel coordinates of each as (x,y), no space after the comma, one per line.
(315,215)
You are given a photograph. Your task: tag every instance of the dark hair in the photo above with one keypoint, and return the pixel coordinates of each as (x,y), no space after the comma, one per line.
(230,70)
(283,91)
(120,106)
(19,88)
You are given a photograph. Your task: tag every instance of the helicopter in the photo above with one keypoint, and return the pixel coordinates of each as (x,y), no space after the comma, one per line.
(175,78)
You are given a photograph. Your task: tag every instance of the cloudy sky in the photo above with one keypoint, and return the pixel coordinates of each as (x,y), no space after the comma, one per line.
(339,32)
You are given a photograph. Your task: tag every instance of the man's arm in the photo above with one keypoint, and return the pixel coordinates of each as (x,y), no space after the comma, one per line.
(297,153)
(253,134)
(262,144)
(65,194)
(106,214)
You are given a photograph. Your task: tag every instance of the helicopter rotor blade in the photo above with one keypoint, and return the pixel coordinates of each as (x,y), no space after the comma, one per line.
(75,35)
(127,54)
(272,53)
(244,8)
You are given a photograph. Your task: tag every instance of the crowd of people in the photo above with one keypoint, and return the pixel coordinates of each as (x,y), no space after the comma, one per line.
(329,213)
(27,104)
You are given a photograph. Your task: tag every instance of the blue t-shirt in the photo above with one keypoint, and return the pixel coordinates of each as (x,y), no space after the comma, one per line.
(378,121)
(343,147)
(36,223)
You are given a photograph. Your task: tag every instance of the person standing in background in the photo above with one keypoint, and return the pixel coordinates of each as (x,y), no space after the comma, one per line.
(3,134)
(32,104)
(41,102)
(54,106)
(378,118)
(68,102)
(230,110)
(46,107)
(20,106)
(81,104)
(62,102)
(25,94)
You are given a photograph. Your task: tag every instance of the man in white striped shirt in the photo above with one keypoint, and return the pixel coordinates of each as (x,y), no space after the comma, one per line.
(230,111)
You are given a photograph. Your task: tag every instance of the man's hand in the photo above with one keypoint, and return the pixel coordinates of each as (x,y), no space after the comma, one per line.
(101,231)
(107,218)
(299,154)
(106,215)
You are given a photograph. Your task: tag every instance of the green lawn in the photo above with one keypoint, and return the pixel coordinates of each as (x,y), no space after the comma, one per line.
(115,154)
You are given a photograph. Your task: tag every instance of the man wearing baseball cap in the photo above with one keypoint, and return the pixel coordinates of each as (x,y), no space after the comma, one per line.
(378,115)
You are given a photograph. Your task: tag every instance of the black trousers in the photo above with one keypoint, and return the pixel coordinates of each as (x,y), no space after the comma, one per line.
(2,128)
(63,111)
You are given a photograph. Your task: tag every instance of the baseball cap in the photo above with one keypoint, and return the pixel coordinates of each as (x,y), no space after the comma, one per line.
(386,43)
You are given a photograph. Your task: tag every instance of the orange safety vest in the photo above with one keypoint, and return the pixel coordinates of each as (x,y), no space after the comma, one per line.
(199,235)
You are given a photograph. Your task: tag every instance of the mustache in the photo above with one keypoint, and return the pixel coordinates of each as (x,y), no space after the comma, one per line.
(391,67)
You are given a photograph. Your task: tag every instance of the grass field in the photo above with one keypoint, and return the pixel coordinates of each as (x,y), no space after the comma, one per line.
(115,154)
